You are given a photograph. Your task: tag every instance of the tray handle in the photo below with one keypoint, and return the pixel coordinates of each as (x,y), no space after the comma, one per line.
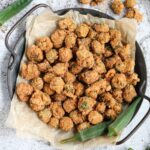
(142,120)
(10,48)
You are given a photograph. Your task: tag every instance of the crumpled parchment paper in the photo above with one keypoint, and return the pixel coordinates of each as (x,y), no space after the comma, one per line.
(22,118)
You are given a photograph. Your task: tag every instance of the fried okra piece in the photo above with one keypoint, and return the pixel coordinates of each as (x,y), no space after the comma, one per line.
(44,43)
(117,108)
(99,66)
(66,124)
(108,51)
(82,30)
(117,94)
(97,47)
(57,110)
(110,74)
(69,90)
(52,55)
(45,115)
(60,69)
(83,126)
(70,105)
(84,42)
(79,88)
(85,1)
(119,81)
(129,93)
(34,54)
(57,84)
(95,117)
(89,76)
(37,83)
(58,37)
(67,24)
(126,66)
(134,13)
(65,54)
(133,79)
(70,40)
(85,58)
(101,107)
(59,97)
(108,99)
(29,71)
(69,77)
(117,6)
(112,61)
(39,100)
(92,34)
(48,77)
(54,122)
(86,104)
(24,91)
(123,51)
(103,37)
(115,37)
(102,27)
(130,3)
(75,68)
(110,114)
(96,88)
(44,66)
(76,116)
(47,89)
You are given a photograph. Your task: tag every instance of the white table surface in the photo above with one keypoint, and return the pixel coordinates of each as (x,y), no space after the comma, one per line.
(8,138)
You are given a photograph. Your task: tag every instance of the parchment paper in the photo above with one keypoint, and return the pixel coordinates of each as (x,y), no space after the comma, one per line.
(22,118)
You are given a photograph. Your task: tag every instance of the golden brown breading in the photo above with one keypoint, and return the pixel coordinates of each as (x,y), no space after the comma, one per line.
(66,124)
(97,47)
(67,24)
(101,107)
(83,126)
(65,54)
(94,117)
(117,94)
(117,108)
(103,38)
(59,97)
(92,34)
(70,105)
(37,83)
(57,110)
(85,1)
(69,77)
(54,122)
(77,117)
(85,58)
(34,54)
(69,90)
(129,93)
(57,84)
(29,71)
(75,68)
(82,30)
(52,55)
(39,100)
(110,114)
(117,6)
(86,104)
(24,91)
(47,89)
(44,66)
(89,77)
(58,37)
(79,88)
(45,115)
(70,40)
(133,79)
(134,13)
(130,3)
(103,27)
(84,42)
(48,77)
(44,43)
(60,69)
(110,74)
(119,81)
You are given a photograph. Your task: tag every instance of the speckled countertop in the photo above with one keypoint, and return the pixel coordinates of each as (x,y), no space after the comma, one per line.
(8,138)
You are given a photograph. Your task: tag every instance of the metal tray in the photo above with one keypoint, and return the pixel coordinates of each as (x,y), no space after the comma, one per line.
(18,50)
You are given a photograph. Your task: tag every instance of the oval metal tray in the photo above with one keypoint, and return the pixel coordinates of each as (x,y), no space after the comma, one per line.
(18,51)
